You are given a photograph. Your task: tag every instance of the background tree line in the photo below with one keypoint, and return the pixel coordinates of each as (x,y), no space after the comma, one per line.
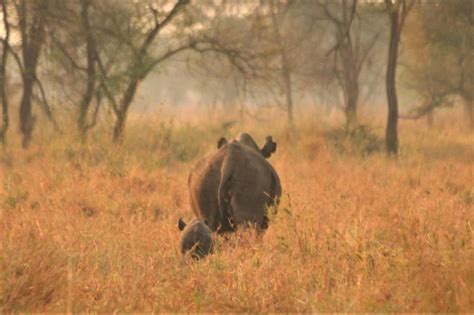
(96,53)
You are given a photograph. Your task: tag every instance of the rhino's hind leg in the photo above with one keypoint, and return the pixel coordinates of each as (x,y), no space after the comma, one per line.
(225,226)
(264,224)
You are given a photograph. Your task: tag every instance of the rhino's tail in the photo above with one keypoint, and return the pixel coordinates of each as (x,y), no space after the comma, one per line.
(223,197)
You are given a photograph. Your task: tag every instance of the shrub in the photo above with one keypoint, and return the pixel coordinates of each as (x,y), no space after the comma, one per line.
(359,140)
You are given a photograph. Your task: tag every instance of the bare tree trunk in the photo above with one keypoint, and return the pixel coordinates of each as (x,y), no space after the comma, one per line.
(391,135)
(348,55)
(119,128)
(123,110)
(430,118)
(352,98)
(84,106)
(27,120)
(288,89)
(31,42)
(240,106)
(397,11)
(469,109)
(285,66)
(3,75)
(242,97)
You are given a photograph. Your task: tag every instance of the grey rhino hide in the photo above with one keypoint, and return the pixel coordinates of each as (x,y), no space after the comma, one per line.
(246,139)
(196,239)
(233,186)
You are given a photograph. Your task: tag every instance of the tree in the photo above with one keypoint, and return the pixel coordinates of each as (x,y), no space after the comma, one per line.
(147,45)
(32,22)
(106,48)
(142,60)
(75,44)
(91,58)
(3,73)
(397,11)
(281,53)
(445,33)
(254,50)
(350,50)
(285,66)
(234,69)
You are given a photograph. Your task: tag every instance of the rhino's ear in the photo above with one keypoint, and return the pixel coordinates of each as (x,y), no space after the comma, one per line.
(269,148)
(181,224)
(222,141)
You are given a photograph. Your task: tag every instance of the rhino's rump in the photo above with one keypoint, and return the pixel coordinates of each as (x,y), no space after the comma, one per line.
(250,190)
(241,180)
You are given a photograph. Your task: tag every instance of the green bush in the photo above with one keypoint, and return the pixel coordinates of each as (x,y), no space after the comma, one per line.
(360,140)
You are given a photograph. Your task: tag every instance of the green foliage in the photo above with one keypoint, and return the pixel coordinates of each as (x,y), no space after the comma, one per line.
(14,198)
(467,196)
(359,140)
(439,60)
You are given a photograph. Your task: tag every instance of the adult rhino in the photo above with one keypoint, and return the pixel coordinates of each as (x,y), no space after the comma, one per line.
(235,185)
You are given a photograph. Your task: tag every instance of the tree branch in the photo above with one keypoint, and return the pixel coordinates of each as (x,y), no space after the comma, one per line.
(367,51)
(404,11)
(104,85)
(165,56)
(15,55)
(340,25)
(65,52)
(434,101)
(159,26)
(95,113)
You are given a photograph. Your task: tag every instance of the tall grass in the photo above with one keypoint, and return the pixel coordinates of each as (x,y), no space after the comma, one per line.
(93,228)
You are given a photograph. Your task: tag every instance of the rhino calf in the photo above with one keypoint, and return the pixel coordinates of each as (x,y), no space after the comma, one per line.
(196,239)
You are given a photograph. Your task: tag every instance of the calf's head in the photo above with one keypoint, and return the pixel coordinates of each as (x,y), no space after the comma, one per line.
(196,239)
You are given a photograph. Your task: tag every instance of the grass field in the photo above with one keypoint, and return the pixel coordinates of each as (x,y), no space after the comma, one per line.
(93,228)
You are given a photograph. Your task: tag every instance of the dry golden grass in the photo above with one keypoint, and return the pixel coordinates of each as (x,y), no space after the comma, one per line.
(94,228)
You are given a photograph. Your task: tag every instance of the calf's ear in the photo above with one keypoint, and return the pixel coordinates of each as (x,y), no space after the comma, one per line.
(222,141)
(181,224)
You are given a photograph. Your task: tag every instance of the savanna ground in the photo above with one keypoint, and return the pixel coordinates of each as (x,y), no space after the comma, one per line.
(93,228)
